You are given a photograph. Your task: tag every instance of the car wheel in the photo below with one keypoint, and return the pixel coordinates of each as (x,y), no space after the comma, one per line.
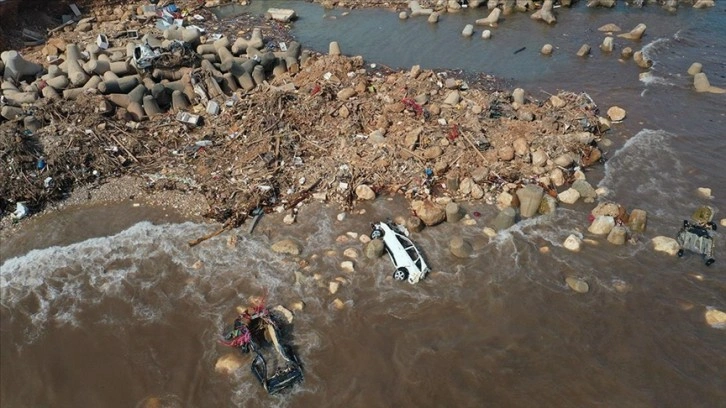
(377,233)
(401,274)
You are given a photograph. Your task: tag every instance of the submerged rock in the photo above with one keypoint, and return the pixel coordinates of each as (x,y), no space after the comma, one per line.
(638,220)
(283,312)
(569,196)
(229,363)
(573,243)
(287,246)
(715,318)
(460,248)
(577,284)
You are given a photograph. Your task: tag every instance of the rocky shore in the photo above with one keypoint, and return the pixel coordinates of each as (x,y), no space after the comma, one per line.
(238,115)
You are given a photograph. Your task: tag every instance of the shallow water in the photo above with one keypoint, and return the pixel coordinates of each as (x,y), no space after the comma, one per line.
(108,306)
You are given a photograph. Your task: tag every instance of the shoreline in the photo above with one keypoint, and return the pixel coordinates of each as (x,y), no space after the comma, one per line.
(442,131)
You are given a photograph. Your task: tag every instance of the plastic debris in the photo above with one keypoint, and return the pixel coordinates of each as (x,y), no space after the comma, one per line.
(21,210)
(188,118)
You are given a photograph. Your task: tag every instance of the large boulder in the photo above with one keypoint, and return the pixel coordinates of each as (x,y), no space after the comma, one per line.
(602,225)
(430,213)
(585,189)
(606,208)
(365,192)
(665,244)
(374,249)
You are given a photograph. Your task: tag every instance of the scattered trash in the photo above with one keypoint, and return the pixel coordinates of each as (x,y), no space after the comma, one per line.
(188,118)
(102,41)
(75,9)
(48,182)
(21,210)
(520,50)
(257,213)
(257,330)
(41,163)
(406,258)
(231,101)
(213,108)
(283,46)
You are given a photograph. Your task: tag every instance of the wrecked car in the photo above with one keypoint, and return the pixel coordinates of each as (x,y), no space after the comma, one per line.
(256,330)
(695,237)
(407,259)
(176,54)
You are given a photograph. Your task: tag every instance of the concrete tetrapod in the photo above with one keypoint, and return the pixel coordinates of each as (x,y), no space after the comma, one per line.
(334,48)
(530,197)
(242,44)
(76,73)
(701,83)
(460,248)
(634,34)
(545,13)
(17,67)
(492,20)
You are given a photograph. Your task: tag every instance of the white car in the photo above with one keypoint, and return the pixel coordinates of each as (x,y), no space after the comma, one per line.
(406,258)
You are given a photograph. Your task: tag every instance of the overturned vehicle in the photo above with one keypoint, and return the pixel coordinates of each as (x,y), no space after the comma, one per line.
(275,365)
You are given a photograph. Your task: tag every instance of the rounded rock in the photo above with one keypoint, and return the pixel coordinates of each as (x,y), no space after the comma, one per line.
(665,244)
(286,246)
(374,249)
(616,113)
(365,192)
(573,243)
(577,284)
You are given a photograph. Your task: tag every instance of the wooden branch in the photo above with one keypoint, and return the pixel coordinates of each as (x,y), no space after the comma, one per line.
(208,236)
(302,195)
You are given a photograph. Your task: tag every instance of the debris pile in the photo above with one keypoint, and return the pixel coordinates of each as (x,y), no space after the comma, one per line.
(252,120)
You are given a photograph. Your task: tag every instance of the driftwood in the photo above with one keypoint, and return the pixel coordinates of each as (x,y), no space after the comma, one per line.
(208,236)
(302,195)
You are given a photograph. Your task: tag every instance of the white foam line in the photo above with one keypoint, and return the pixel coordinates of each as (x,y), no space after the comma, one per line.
(644,153)
(652,47)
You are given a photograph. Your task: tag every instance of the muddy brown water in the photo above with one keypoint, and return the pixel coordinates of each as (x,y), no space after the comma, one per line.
(108,306)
